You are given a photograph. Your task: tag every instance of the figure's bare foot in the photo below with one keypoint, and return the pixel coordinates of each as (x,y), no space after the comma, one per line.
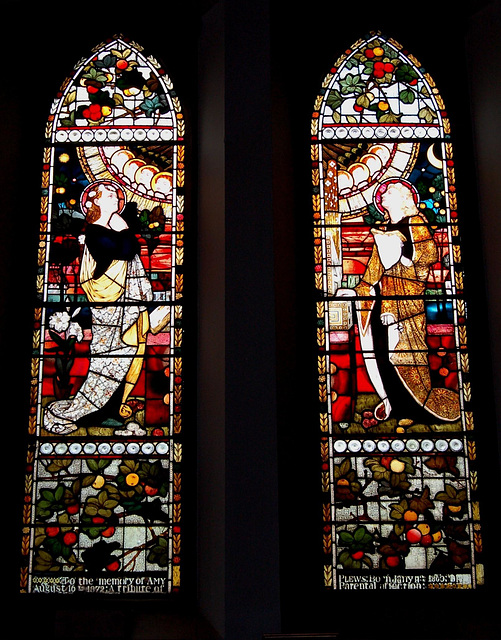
(62,428)
(382,410)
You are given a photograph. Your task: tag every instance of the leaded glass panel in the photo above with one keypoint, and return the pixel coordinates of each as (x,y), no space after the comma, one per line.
(104,481)
(398,454)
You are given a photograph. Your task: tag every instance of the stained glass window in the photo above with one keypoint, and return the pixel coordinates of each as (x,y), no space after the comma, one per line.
(104,470)
(397,447)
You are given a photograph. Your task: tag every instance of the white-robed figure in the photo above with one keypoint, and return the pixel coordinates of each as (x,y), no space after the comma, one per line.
(115,283)
(390,306)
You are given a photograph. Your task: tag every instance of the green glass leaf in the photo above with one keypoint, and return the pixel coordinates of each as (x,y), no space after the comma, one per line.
(389,118)
(346,537)
(95,75)
(407,96)
(334,99)
(368,67)
(345,559)
(362,535)
(405,73)
(92,464)
(364,100)
(107,62)
(351,84)
(352,62)
(427,114)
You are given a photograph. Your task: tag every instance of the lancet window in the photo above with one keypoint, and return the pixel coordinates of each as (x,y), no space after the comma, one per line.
(397,437)
(103,503)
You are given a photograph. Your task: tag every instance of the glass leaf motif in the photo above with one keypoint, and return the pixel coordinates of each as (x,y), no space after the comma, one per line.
(397,447)
(104,482)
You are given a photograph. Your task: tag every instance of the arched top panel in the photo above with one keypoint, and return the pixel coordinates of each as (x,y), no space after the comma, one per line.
(378,90)
(116,94)
(377,110)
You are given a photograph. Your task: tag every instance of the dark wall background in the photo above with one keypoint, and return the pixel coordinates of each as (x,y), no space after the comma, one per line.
(248,74)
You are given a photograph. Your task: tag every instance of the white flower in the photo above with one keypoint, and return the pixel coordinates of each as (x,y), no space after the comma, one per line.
(75,330)
(59,321)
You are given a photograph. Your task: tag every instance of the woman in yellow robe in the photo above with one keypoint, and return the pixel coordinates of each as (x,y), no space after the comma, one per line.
(111,272)
(393,287)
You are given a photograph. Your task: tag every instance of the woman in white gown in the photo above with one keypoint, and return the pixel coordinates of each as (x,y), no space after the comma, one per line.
(111,272)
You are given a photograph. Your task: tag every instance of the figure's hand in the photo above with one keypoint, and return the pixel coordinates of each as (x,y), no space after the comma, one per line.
(389,247)
(388,318)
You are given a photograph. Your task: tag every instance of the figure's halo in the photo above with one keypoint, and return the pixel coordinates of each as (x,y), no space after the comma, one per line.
(90,192)
(383,186)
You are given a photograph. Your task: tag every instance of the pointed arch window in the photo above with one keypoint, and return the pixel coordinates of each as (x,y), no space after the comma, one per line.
(399,476)
(103,488)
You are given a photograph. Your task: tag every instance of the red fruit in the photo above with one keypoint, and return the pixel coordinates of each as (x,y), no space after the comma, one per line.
(86,113)
(388,67)
(92,89)
(72,509)
(97,520)
(52,531)
(150,491)
(393,561)
(69,538)
(113,566)
(358,555)
(369,53)
(358,108)
(414,536)
(426,540)
(107,533)
(95,111)
(413,81)
(379,66)
(386,461)
(122,64)
(158,432)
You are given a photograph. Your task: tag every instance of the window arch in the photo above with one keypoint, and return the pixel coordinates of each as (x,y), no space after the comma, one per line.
(105,461)
(399,475)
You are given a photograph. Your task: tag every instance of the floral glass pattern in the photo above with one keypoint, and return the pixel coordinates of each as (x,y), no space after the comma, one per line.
(397,445)
(104,470)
